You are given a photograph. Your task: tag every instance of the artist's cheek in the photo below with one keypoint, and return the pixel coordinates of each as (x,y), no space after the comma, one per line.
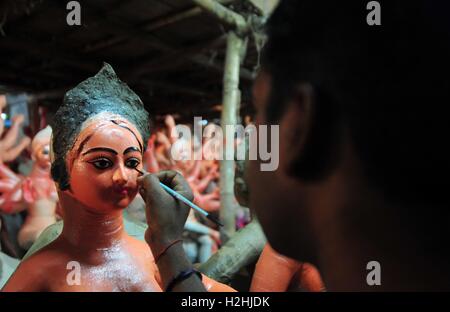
(261,92)
(251,176)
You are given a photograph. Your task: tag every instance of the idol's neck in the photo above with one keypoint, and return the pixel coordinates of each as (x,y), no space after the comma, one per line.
(40,172)
(89,231)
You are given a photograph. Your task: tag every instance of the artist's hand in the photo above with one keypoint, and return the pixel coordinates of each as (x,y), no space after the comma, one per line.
(166,215)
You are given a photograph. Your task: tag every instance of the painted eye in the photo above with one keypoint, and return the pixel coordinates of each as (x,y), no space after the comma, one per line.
(102,163)
(132,163)
(46,150)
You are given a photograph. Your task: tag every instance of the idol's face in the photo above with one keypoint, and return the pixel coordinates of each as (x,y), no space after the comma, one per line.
(41,155)
(2,124)
(102,168)
(181,152)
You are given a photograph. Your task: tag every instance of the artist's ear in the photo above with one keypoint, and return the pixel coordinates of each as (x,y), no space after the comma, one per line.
(295,126)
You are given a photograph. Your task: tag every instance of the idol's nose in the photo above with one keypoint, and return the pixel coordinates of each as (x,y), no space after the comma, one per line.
(120,176)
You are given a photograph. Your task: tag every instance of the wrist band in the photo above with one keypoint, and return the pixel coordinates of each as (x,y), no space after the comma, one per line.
(165,249)
(183,275)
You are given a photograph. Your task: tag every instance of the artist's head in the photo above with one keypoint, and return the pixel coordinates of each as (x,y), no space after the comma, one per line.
(99,135)
(361,111)
(40,147)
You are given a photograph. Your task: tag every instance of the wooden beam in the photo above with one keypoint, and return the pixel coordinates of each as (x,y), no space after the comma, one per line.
(116,6)
(174,87)
(24,74)
(23,43)
(173,60)
(154,42)
(150,26)
(187,110)
(26,19)
(202,60)
(50,94)
(126,30)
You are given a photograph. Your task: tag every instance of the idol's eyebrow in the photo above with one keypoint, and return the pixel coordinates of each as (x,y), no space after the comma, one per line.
(132,149)
(100,149)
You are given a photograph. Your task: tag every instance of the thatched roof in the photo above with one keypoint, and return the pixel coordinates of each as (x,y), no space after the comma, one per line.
(169,51)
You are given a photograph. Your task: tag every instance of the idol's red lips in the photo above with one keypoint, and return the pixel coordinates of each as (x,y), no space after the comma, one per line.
(120,190)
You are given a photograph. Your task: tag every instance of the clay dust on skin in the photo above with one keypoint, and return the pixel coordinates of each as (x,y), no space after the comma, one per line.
(120,270)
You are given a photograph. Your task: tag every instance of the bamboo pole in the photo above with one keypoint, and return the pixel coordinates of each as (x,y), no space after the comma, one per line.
(231,95)
(241,250)
(229,113)
(224,14)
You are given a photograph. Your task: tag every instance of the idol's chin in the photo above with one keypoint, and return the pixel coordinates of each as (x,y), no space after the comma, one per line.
(124,203)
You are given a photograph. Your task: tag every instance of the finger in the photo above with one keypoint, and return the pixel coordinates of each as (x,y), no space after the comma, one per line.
(177,182)
(140,179)
(150,189)
(166,176)
(140,183)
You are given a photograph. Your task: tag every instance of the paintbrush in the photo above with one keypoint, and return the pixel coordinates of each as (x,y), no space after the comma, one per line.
(186,201)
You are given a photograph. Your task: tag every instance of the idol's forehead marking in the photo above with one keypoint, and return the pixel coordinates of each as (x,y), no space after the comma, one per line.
(94,124)
(84,144)
(101,120)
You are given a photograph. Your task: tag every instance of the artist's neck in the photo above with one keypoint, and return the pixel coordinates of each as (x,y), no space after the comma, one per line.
(407,261)
(365,226)
(90,231)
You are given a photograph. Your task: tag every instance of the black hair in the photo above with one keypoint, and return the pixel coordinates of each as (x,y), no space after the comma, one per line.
(104,92)
(388,84)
